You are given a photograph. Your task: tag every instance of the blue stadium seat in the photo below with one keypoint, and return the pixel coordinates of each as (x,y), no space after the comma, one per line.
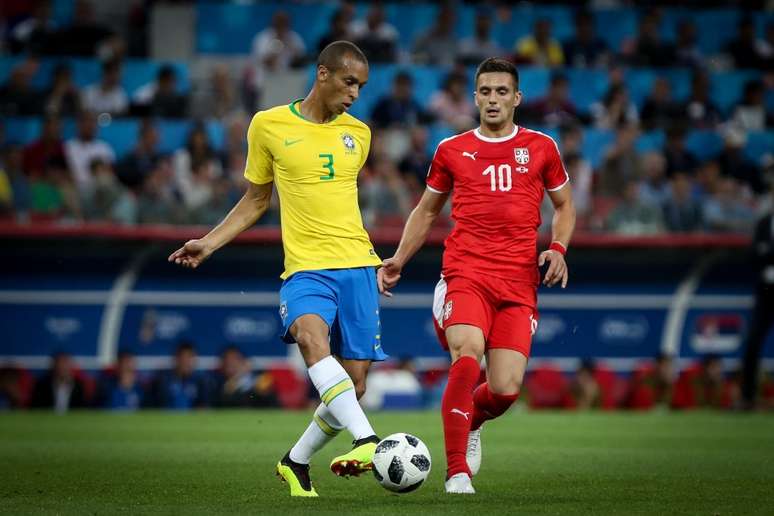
(595,144)
(615,25)
(21,130)
(651,141)
(704,144)
(586,86)
(727,88)
(229,28)
(437,132)
(139,72)
(121,134)
(759,144)
(639,82)
(533,82)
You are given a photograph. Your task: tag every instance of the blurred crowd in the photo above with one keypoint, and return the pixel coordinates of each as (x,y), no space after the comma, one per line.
(392,385)
(664,189)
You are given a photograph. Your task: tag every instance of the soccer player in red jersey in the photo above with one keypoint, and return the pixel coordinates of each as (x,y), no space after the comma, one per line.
(485,303)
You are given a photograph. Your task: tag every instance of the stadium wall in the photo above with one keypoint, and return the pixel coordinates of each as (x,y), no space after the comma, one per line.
(91,290)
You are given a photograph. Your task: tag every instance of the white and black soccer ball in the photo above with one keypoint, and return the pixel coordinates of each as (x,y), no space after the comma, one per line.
(401,462)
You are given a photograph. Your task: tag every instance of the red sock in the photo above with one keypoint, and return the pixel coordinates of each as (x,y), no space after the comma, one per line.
(456,412)
(489,405)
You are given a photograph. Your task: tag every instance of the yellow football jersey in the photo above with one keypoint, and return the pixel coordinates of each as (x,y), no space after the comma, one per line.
(314,168)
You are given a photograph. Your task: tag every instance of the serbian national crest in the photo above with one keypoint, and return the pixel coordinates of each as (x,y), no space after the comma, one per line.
(521,154)
(349,143)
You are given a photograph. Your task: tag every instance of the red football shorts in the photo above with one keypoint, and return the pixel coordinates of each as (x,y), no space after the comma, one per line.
(503,310)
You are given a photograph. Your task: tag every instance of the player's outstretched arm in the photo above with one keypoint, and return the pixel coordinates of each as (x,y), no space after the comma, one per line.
(414,235)
(243,215)
(562,227)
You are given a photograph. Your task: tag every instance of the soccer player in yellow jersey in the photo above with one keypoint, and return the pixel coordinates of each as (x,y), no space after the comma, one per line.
(312,150)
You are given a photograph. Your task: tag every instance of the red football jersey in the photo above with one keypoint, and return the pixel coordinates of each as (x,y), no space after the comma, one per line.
(497,187)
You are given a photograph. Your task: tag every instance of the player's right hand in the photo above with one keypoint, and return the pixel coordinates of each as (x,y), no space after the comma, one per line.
(191,255)
(388,275)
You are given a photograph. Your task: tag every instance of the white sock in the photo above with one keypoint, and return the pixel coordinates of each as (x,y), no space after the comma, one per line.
(323,428)
(338,393)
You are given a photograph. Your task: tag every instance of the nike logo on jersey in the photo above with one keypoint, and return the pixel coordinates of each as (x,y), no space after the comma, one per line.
(469,155)
(288,143)
(461,413)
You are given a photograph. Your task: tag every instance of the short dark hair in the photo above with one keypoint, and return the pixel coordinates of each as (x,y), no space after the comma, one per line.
(333,54)
(497,64)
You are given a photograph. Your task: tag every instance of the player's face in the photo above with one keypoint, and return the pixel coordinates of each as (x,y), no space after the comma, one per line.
(496,97)
(341,88)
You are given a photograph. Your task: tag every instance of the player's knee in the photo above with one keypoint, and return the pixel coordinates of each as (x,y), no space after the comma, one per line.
(312,346)
(465,347)
(505,386)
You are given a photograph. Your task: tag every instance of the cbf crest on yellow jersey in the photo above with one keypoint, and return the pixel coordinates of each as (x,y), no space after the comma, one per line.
(315,168)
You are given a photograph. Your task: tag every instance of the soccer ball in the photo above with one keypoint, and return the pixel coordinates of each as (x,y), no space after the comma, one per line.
(401,462)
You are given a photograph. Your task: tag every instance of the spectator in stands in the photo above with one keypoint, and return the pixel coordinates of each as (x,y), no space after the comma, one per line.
(196,166)
(33,34)
(236,386)
(654,188)
(63,99)
(20,195)
(633,217)
(725,211)
(579,169)
(766,46)
(156,203)
(539,48)
(621,163)
(581,176)
(219,202)
(647,49)
(182,387)
(584,388)
(414,166)
(53,194)
(384,198)
(121,390)
(750,114)
(615,109)
(399,108)
(682,210)
(393,387)
(84,148)
(61,388)
(678,157)
(659,110)
(710,385)
(136,165)
(338,29)
(481,45)
(82,37)
(734,163)
(161,97)
(745,50)
(700,112)
(377,38)
(687,51)
(453,105)
(17,96)
(555,108)
(276,49)
(108,200)
(107,96)
(46,148)
(218,98)
(586,50)
(438,45)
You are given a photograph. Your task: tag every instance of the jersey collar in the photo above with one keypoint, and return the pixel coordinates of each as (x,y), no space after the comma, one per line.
(296,111)
(477,132)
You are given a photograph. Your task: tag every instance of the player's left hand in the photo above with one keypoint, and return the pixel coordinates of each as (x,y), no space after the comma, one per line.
(557,270)
(388,275)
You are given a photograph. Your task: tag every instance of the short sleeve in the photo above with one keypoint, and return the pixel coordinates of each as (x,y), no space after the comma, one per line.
(439,178)
(259,168)
(554,174)
(366,147)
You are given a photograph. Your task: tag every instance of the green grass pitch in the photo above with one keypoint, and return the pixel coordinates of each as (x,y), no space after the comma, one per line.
(534,463)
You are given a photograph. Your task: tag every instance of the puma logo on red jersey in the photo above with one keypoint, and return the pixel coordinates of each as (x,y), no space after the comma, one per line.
(471,156)
(461,413)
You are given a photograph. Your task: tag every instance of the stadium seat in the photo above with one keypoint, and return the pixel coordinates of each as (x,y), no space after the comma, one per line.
(651,141)
(704,144)
(615,25)
(758,145)
(595,144)
(587,86)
